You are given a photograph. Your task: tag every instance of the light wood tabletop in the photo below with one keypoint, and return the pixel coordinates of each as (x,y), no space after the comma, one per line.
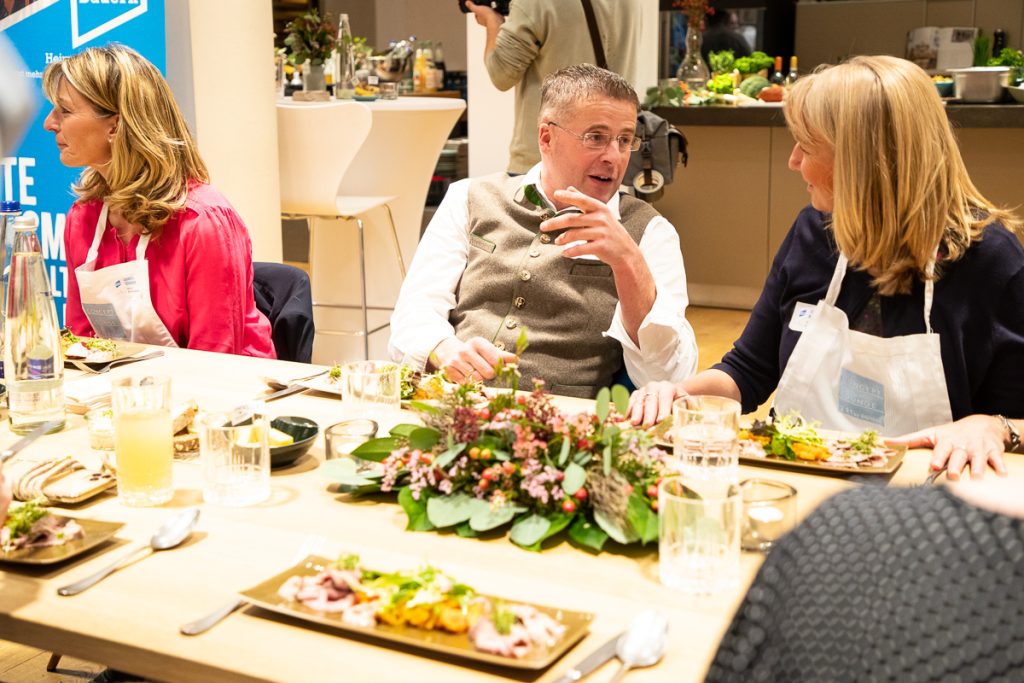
(130,620)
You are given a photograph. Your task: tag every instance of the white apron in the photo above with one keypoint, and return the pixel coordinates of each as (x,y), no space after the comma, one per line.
(852,381)
(116,299)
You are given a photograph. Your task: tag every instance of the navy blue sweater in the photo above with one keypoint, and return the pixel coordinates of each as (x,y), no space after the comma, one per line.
(978,313)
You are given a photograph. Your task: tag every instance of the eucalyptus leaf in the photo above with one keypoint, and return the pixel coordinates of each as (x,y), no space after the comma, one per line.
(487,516)
(529,530)
(415,510)
(582,458)
(607,459)
(601,407)
(614,529)
(620,397)
(377,449)
(446,511)
(575,476)
(345,472)
(449,455)
(585,533)
(424,438)
(425,407)
(556,523)
(642,518)
(563,455)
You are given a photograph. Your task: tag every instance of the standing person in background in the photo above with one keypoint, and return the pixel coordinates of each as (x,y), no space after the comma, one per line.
(155,254)
(540,37)
(723,33)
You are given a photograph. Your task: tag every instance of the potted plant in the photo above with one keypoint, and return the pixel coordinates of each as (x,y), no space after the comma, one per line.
(311,39)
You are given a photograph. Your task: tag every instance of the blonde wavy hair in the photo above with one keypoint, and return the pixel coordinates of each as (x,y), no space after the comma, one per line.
(153,155)
(900,187)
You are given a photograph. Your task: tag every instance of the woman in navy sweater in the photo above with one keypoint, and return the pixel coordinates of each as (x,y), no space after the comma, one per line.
(896,301)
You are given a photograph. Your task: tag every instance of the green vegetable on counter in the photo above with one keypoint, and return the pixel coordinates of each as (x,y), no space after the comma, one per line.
(754,63)
(721,62)
(721,84)
(753,85)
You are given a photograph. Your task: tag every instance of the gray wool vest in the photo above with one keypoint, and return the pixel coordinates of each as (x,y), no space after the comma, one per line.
(516,277)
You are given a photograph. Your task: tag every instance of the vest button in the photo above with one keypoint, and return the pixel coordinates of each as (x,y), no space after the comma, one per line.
(524,275)
(545,238)
(535,253)
(520,302)
(500,345)
(511,323)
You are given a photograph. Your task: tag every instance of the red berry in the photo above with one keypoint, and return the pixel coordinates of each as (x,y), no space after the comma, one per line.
(474,453)
(559,476)
(509,467)
(484,483)
(581,494)
(426,458)
(487,474)
(485,413)
(628,488)
(654,505)
(652,491)
(584,445)
(568,506)
(485,454)
(521,400)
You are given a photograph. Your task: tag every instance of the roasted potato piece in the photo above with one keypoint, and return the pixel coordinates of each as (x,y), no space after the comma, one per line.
(806,451)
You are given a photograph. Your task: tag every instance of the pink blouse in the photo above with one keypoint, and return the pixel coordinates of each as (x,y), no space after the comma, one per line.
(200,274)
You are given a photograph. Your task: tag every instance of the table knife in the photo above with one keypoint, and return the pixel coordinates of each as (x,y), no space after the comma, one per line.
(10,452)
(591,661)
(287,391)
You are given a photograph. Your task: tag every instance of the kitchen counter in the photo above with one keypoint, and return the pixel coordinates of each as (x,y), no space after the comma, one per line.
(770,115)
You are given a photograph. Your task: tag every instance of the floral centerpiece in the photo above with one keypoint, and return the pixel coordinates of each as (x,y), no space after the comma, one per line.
(483,461)
(693,71)
(312,39)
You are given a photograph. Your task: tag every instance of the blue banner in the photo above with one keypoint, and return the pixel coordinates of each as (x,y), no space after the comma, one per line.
(43,31)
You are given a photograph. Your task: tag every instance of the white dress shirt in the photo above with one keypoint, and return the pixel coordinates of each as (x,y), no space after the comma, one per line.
(667,348)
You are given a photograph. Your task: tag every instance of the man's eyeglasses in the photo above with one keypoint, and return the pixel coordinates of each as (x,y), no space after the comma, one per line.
(626,143)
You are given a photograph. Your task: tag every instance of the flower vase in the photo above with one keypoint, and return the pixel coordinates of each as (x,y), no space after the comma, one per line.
(313,77)
(694,71)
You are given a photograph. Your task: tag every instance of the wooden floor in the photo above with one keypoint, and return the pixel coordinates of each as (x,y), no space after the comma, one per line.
(715,329)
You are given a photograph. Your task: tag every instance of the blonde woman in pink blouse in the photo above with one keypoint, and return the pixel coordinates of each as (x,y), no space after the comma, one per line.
(155,254)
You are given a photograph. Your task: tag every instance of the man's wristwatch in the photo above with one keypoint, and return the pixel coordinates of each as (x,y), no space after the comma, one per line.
(1014,442)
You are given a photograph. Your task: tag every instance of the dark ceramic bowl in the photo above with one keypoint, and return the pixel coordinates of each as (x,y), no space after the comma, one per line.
(945,88)
(302,429)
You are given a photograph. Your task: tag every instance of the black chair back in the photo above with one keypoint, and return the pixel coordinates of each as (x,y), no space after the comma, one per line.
(283,295)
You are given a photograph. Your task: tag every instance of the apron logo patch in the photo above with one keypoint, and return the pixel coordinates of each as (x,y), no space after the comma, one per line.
(861,397)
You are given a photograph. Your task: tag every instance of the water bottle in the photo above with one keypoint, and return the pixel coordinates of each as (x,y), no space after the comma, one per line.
(344,89)
(8,212)
(32,358)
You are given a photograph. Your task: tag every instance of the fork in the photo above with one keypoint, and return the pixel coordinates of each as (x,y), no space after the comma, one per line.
(85,367)
(933,476)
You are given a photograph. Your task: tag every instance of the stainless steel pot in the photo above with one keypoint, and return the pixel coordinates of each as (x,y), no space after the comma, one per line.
(980,83)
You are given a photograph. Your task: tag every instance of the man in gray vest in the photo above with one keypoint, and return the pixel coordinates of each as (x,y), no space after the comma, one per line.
(596,277)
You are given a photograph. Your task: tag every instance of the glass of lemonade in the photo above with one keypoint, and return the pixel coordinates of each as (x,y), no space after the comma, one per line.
(143,440)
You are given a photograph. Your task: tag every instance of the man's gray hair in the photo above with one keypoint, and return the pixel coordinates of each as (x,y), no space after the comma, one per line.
(567,88)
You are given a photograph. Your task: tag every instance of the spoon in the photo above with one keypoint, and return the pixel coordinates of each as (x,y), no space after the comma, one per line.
(643,643)
(274,383)
(170,535)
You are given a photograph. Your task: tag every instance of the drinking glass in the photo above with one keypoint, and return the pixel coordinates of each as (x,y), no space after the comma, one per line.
(704,433)
(143,440)
(370,388)
(234,451)
(388,91)
(346,436)
(769,511)
(698,537)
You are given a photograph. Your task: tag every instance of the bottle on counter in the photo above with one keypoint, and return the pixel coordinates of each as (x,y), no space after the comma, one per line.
(793,74)
(777,77)
(9,211)
(32,357)
(439,66)
(429,78)
(344,58)
(419,72)
(998,41)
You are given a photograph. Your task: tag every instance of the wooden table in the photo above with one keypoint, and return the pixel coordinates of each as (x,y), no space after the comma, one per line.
(130,620)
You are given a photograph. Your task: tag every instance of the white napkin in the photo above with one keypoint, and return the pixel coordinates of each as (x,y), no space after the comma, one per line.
(86,393)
